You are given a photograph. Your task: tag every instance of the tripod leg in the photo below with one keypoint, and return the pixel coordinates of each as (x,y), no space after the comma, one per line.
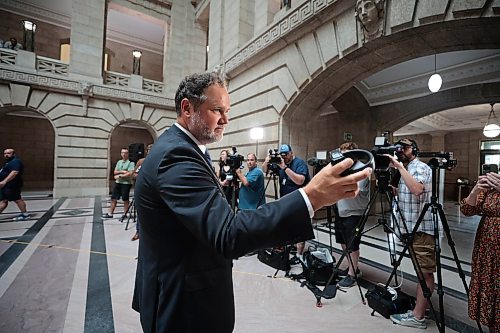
(451,243)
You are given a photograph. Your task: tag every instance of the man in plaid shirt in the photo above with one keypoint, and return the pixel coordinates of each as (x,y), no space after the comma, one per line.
(414,191)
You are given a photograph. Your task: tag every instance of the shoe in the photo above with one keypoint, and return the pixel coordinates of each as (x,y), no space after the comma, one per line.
(107,216)
(22,217)
(408,319)
(123,217)
(347,282)
(135,237)
(345,272)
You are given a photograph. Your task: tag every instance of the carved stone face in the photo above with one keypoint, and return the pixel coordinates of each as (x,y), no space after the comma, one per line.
(367,12)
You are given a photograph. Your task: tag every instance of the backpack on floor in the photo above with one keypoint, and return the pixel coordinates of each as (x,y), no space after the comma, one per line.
(317,266)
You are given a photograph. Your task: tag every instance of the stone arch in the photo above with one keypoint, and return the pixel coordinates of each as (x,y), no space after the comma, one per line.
(287,78)
(123,134)
(33,136)
(395,115)
(318,95)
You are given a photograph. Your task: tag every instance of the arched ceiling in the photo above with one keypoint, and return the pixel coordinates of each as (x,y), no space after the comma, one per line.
(401,81)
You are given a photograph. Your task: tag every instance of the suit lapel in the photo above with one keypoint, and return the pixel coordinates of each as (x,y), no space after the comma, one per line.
(201,156)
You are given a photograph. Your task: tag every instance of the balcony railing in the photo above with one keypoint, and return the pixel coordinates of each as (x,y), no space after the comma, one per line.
(152,86)
(7,57)
(53,66)
(116,79)
(123,80)
(44,65)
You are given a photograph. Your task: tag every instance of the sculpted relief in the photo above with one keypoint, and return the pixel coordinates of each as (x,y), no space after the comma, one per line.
(370,14)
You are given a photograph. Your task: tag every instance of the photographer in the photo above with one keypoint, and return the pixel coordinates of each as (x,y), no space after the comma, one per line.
(350,212)
(414,191)
(293,174)
(251,194)
(225,178)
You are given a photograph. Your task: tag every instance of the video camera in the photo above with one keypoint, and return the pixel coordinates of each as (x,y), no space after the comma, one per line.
(275,160)
(235,160)
(441,160)
(382,147)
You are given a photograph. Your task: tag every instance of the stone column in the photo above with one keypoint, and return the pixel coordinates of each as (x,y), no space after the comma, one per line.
(215,33)
(186,49)
(239,29)
(264,14)
(88,37)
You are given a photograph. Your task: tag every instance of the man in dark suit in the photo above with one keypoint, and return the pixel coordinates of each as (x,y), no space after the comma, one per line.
(189,234)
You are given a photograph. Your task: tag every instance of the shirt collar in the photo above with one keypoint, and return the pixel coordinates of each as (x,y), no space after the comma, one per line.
(203,148)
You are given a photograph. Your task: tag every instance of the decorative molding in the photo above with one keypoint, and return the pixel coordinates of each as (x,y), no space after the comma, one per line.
(39,80)
(76,87)
(277,31)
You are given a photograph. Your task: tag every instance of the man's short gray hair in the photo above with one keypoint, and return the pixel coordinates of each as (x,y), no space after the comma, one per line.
(193,86)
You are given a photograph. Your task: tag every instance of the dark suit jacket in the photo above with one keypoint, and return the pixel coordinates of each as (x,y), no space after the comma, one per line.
(189,236)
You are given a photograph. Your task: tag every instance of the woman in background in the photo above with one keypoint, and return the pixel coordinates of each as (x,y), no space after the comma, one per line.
(225,175)
(484,294)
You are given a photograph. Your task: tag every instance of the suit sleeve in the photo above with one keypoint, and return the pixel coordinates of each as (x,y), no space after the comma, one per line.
(191,191)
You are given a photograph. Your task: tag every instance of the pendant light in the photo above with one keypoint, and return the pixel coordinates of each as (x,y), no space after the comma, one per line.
(435,81)
(491,130)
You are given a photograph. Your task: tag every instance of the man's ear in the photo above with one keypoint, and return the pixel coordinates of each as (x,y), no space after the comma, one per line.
(186,107)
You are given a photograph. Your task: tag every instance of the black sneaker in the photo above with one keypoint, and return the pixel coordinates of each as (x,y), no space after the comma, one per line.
(294,260)
(345,272)
(107,216)
(347,282)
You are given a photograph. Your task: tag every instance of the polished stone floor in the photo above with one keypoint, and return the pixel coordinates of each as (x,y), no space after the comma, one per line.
(67,270)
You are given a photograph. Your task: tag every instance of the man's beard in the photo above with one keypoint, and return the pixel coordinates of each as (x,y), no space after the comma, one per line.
(201,131)
(403,158)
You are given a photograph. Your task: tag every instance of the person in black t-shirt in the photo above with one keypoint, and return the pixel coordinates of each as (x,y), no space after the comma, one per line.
(11,182)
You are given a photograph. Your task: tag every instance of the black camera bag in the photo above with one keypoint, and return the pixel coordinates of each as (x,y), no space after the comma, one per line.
(315,270)
(277,258)
(380,300)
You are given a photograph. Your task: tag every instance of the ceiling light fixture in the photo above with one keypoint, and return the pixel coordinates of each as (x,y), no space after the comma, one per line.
(136,63)
(29,35)
(491,130)
(435,81)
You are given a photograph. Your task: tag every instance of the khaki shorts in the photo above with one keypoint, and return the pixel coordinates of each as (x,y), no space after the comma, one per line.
(424,249)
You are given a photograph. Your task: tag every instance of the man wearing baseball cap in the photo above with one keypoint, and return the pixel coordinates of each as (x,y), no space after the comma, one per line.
(293,174)
(414,191)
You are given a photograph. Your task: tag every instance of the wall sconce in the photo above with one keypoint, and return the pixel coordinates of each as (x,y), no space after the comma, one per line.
(435,81)
(491,130)
(29,35)
(136,66)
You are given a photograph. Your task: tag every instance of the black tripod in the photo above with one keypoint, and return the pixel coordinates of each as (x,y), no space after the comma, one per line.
(275,181)
(436,210)
(130,214)
(287,248)
(382,187)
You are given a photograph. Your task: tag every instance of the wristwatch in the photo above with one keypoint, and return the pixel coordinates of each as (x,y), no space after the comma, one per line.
(286,167)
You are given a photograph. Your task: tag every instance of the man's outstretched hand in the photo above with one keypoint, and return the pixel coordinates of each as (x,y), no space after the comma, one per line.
(328,187)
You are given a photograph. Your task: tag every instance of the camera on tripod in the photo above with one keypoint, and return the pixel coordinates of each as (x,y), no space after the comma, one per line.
(441,160)
(383,147)
(274,161)
(234,162)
